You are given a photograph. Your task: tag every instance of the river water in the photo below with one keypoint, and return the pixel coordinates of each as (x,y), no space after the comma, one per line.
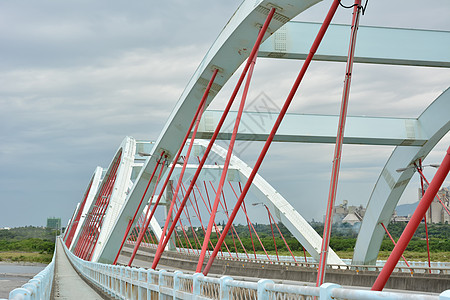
(14,275)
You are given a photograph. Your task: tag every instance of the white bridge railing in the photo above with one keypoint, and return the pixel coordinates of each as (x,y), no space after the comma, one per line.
(131,283)
(39,287)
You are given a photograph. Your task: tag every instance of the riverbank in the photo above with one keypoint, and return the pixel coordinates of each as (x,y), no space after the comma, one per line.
(22,256)
(16,274)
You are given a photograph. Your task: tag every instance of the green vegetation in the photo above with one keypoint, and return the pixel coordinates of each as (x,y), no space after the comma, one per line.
(343,239)
(31,244)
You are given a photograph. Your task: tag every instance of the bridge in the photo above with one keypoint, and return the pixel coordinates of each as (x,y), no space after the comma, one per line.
(148,225)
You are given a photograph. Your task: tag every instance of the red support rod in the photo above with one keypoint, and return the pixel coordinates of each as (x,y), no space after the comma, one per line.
(130,222)
(425,217)
(99,222)
(216,132)
(284,240)
(180,178)
(225,166)
(197,212)
(198,112)
(274,130)
(338,148)
(208,209)
(437,196)
(86,224)
(413,223)
(73,229)
(393,242)
(66,231)
(273,235)
(97,213)
(94,214)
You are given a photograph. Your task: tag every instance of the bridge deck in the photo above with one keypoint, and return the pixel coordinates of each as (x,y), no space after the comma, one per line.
(67,283)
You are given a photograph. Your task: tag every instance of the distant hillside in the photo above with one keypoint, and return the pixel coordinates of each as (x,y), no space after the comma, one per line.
(28,232)
(406,209)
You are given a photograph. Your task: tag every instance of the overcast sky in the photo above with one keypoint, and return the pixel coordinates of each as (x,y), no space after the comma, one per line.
(78,76)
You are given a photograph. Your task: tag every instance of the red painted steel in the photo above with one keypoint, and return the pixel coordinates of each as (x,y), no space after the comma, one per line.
(130,222)
(274,130)
(413,223)
(96,216)
(338,148)
(216,132)
(419,167)
(66,231)
(273,235)
(75,222)
(194,121)
(393,242)
(226,165)
(87,223)
(437,196)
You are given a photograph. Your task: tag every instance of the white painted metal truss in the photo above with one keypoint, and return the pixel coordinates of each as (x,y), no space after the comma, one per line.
(376,45)
(414,138)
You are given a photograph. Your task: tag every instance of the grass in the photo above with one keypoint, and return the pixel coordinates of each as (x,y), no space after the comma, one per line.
(16,256)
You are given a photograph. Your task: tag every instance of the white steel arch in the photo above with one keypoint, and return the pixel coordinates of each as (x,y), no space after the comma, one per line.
(230,49)
(278,206)
(96,181)
(391,184)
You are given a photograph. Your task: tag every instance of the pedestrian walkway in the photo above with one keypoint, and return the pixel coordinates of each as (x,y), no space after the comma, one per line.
(67,284)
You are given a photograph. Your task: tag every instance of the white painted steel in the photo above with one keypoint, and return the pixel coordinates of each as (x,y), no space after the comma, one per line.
(435,120)
(377,45)
(227,53)
(131,283)
(303,128)
(39,287)
(96,181)
(279,207)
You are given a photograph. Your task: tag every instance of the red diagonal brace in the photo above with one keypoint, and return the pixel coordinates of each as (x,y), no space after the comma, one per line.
(413,223)
(274,130)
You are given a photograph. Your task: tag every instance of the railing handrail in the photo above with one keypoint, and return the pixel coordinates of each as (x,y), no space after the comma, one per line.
(197,286)
(38,287)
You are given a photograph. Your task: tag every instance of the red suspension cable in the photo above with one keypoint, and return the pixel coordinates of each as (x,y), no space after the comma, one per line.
(413,223)
(130,222)
(197,113)
(338,148)
(216,132)
(274,130)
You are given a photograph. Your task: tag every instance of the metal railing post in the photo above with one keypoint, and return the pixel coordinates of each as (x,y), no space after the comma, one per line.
(176,283)
(445,295)
(160,280)
(224,287)
(325,290)
(261,290)
(196,284)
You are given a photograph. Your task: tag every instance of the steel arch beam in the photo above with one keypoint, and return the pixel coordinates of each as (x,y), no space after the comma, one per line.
(304,128)
(96,181)
(377,45)
(390,185)
(229,50)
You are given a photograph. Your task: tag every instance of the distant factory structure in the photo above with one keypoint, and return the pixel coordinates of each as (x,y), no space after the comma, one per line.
(439,210)
(344,213)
